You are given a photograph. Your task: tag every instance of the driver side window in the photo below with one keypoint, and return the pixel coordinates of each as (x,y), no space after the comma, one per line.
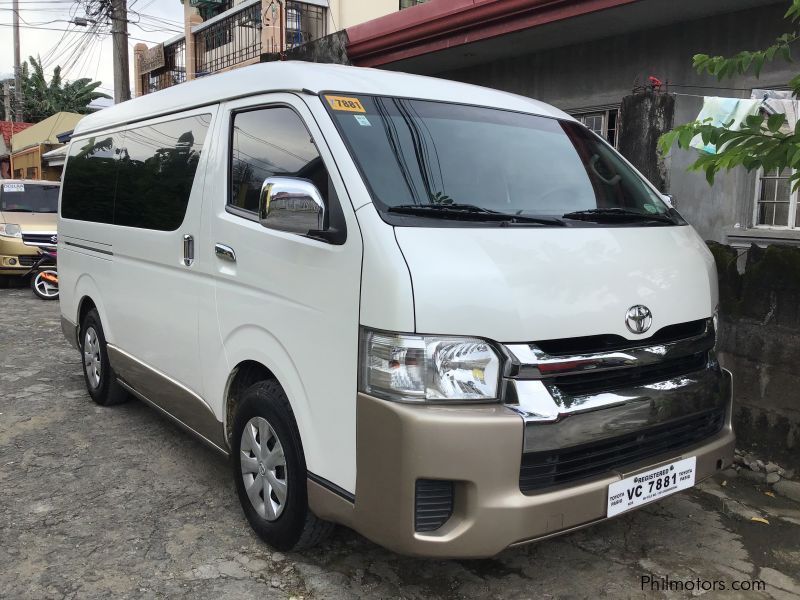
(271,142)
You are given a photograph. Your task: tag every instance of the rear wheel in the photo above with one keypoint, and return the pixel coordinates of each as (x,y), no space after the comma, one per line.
(270,471)
(101,381)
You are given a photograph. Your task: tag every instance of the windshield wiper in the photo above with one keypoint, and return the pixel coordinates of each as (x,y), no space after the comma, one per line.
(616,214)
(470,212)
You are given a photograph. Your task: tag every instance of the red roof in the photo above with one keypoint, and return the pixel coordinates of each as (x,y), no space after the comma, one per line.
(442,24)
(7,128)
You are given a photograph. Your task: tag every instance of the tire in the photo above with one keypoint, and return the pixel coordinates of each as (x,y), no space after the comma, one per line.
(101,381)
(288,524)
(41,289)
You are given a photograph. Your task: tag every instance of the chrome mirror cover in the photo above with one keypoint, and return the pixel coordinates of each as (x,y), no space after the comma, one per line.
(291,204)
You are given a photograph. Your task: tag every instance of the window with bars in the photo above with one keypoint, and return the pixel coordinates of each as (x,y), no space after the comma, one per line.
(304,23)
(603,123)
(775,202)
(410,3)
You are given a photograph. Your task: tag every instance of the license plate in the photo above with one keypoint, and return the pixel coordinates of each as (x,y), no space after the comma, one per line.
(642,488)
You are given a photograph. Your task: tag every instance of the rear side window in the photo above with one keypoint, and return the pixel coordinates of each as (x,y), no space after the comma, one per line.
(90,180)
(138,178)
(157,165)
(271,142)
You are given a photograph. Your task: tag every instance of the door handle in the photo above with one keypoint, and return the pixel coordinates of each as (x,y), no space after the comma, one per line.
(224,252)
(188,250)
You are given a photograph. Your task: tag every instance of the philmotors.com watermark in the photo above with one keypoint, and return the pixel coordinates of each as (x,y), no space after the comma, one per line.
(668,584)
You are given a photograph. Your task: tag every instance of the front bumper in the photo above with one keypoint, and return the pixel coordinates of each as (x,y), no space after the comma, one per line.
(13,253)
(480,450)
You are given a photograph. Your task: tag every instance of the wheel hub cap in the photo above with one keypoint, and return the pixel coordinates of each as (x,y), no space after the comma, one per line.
(91,357)
(263,468)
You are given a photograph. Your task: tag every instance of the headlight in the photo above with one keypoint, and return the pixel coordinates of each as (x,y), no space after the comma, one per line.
(414,368)
(715,323)
(10,230)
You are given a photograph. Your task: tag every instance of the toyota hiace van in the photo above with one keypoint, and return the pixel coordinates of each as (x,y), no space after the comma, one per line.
(450,318)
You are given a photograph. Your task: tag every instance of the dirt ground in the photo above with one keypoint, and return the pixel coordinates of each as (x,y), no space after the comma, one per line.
(119,502)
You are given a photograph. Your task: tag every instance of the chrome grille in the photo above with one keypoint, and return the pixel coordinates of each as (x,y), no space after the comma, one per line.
(38,238)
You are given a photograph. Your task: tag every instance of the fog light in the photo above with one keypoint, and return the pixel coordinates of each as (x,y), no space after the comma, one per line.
(12,261)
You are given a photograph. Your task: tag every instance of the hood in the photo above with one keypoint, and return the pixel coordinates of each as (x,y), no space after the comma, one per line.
(31,221)
(528,284)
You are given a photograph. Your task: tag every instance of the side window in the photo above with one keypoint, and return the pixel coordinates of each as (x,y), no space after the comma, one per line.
(157,165)
(90,179)
(271,142)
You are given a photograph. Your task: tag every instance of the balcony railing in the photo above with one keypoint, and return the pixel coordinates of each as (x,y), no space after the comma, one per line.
(229,39)
(233,38)
(172,73)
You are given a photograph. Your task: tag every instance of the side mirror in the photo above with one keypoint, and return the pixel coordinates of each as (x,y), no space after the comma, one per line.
(291,204)
(668,200)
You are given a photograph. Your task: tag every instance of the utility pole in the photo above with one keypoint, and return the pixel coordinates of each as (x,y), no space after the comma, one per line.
(17,67)
(119,35)
(7,114)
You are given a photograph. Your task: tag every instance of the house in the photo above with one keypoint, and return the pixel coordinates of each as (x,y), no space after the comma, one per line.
(8,129)
(227,34)
(29,147)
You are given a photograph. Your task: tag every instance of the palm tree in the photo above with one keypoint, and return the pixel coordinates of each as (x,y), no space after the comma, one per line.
(42,99)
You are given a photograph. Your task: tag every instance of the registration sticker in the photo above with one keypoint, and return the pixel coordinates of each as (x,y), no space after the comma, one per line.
(643,488)
(345,103)
(362,120)
(13,187)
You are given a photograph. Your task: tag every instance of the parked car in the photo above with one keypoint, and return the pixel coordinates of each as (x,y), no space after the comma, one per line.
(450,318)
(28,218)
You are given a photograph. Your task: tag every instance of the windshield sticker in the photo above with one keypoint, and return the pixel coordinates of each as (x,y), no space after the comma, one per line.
(362,120)
(13,187)
(651,208)
(345,103)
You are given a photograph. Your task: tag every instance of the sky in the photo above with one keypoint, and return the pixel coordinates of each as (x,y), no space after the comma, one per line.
(81,54)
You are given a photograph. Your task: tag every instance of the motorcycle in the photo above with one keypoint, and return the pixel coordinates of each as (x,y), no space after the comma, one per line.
(44,275)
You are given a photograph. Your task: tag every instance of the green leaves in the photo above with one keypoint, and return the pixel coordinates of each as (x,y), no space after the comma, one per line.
(42,99)
(759,143)
(722,67)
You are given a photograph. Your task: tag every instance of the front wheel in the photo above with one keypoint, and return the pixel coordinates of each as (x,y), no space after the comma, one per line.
(270,472)
(45,285)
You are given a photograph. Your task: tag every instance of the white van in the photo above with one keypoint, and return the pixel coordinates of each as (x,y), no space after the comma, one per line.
(450,318)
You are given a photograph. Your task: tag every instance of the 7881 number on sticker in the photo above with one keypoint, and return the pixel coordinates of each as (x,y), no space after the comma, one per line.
(345,103)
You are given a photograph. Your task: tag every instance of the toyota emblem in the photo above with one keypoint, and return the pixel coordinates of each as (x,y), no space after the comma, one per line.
(638,319)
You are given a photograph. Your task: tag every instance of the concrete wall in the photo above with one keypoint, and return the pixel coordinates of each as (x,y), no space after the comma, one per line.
(712,210)
(345,13)
(759,341)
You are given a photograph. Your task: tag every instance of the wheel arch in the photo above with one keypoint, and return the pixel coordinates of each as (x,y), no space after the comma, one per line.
(89,297)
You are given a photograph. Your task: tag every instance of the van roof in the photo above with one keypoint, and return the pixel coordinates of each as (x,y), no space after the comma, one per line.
(306,77)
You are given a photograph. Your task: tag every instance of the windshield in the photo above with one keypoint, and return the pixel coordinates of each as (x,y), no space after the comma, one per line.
(417,152)
(26,197)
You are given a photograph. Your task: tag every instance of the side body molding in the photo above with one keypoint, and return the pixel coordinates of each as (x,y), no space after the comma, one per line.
(170,397)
